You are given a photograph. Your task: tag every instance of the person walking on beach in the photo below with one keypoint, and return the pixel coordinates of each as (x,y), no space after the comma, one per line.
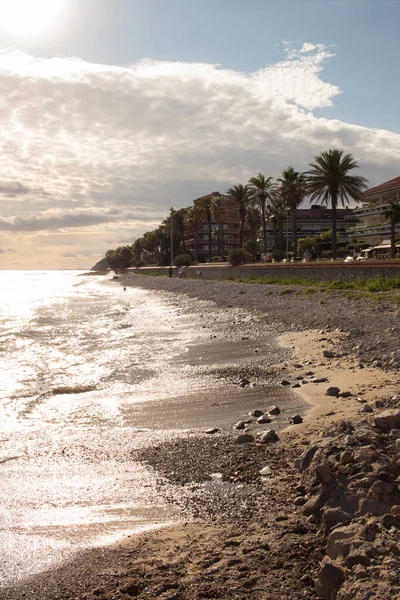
(198,272)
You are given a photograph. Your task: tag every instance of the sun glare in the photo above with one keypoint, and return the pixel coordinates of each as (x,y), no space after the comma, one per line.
(28,17)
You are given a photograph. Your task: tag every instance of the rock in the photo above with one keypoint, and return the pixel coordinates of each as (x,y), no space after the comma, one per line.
(243,382)
(394,434)
(240,425)
(350,440)
(312,519)
(334,516)
(300,501)
(395,511)
(356,557)
(346,457)
(333,391)
(379,404)
(323,473)
(296,420)
(314,505)
(367,408)
(329,581)
(346,394)
(285,382)
(300,490)
(296,385)
(398,446)
(328,354)
(263,419)
(365,454)
(360,572)
(389,419)
(257,413)
(320,380)
(388,521)
(268,436)
(212,430)
(274,410)
(340,541)
(245,438)
(266,471)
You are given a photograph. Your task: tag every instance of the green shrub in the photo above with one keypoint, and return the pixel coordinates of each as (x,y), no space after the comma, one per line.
(238,256)
(183,260)
(139,263)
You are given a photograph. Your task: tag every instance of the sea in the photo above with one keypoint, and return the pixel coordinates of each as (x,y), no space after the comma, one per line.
(89,374)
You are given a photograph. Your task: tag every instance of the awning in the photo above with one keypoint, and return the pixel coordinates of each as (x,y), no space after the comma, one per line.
(385,246)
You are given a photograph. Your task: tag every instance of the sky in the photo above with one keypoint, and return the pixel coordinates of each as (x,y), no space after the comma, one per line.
(113,111)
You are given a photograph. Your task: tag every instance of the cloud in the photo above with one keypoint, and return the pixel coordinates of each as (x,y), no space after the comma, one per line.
(107,150)
(71,255)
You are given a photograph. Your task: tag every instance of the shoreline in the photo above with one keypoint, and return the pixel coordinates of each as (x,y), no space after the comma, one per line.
(171,562)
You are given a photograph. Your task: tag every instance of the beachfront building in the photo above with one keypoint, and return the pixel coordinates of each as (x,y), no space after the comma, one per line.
(225,230)
(313,221)
(373,229)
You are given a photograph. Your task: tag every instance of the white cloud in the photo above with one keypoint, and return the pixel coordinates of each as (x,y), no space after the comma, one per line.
(95,152)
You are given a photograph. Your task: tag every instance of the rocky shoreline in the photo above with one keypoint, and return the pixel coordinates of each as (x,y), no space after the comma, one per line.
(313,513)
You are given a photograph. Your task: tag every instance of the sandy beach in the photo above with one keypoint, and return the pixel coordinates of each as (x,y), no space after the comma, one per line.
(244,535)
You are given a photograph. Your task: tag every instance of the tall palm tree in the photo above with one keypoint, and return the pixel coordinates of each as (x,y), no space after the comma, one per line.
(206,206)
(220,212)
(292,189)
(329,180)
(193,221)
(277,213)
(239,197)
(392,214)
(254,221)
(263,190)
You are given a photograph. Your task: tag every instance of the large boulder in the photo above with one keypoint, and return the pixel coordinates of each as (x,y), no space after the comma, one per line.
(387,420)
(330,579)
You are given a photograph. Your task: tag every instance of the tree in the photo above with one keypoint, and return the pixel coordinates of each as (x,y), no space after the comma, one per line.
(277,212)
(206,206)
(239,197)
(254,221)
(292,189)
(262,189)
(329,180)
(220,212)
(194,220)
(392,214)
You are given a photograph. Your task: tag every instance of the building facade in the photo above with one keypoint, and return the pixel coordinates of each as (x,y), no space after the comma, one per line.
(373,228)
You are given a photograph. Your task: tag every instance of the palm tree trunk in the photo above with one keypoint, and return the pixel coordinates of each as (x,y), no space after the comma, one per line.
(209,240)
(264,225)
(393,237)
(294,232)
(281,240)
(241,238)
(334,234)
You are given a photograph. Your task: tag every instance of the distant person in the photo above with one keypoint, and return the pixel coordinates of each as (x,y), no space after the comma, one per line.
(170,272)
(313,253)
(198,272)
(124,289)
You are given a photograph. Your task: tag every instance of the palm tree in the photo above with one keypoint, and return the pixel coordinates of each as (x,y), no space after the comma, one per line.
(292,189)
(206,206)
(262,189)
(220,212)
(239,197)
(253,220)
(194,220)
(329,179)
(392,214)
(277,212)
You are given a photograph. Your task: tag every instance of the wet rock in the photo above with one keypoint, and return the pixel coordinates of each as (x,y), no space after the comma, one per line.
(240,425)
(212,430)
(320,380)
(285,382)
(394,434)
(345,394)
(269,436)
(367,408)
(243,382)
(245,438)
(333,391)
(274,410)
(264,419)
(257,413)
(296,419)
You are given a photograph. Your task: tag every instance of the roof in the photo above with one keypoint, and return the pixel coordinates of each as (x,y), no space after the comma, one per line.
(384,187)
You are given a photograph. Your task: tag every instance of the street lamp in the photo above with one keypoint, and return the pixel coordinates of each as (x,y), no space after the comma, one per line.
(172,238)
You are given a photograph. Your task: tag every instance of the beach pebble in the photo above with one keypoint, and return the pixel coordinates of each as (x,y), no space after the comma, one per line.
(333,391)
(212,430)
(328,354)
(264,419)
(240,425)
(268,436)
(300,501)
(266,471)
(257,413)
(296,420)
(274,410)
